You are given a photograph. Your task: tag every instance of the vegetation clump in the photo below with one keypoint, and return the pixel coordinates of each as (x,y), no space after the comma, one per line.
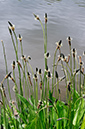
(38,102)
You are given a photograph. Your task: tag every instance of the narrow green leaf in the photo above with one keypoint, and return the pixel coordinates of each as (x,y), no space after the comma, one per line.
(83,123)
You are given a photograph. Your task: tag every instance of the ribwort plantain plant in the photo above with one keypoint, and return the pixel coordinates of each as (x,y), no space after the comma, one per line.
(38,102)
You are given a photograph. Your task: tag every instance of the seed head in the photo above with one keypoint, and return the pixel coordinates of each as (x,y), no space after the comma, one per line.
(49,75)
(74,52)
(19,64)
(82,69)
(46,18)
(56,100)
(47,55)
(23,58)
(28,74)
(29,57)
(76,71)
(59,91)
(29,78)
(15,114)
(35,77)
(36,70)
(68,86)
(39,104)
(12,27)
(59,44)
(36,17)
(68,58)
(20,38)
(69,40)
(10,31)
(40,84)
(1,103)
(47,69)
(8,75)
(62,57)
(13,65)
(56,74)
(80,61)
(40,72)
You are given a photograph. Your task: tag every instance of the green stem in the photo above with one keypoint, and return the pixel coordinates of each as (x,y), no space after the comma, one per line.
(77,75)
(80,81)
(53,68)
(16,41)
(74,82)
(16,90)
(36,93)
(45,40)
(70,60)
(6,69)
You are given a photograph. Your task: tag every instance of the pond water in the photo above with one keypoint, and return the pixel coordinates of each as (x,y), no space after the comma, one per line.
(64,18)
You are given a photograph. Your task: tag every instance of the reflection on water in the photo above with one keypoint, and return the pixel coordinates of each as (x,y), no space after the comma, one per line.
(52,1)
(81,3)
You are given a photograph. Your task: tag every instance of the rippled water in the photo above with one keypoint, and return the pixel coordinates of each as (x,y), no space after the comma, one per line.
(64,18)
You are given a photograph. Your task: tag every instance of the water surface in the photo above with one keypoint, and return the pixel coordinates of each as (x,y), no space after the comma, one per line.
(64,18)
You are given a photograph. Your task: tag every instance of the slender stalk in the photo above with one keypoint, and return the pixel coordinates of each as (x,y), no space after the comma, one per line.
(58,88)
(77,75)
(16,90)
(16,41)
(36,93)
(45,41)
(24,76)
(53,68)
(74,81)
(80,80)
(84,84)
(6,69)
(70,59)
(16,52)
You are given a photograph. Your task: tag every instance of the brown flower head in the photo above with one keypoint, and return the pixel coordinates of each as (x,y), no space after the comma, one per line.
(69,40)
(68,86)
(8,75)
(20,38)
(59,44)
(13,65)
(56,74)
(81,63)
(40,84)
(18,63)
(12,27)
(36,17)
(35,77)
(47,55)
(40,72)
(47,69)
(23,58)
(74,52)
(46,19)
(49,75)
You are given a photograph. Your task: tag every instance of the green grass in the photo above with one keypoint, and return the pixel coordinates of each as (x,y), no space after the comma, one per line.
(35,106)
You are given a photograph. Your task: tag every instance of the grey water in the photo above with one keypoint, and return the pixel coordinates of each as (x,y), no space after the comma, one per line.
(65,18)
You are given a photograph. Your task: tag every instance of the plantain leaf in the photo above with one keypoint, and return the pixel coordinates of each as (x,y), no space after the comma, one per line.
(83,123)
(79,112)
